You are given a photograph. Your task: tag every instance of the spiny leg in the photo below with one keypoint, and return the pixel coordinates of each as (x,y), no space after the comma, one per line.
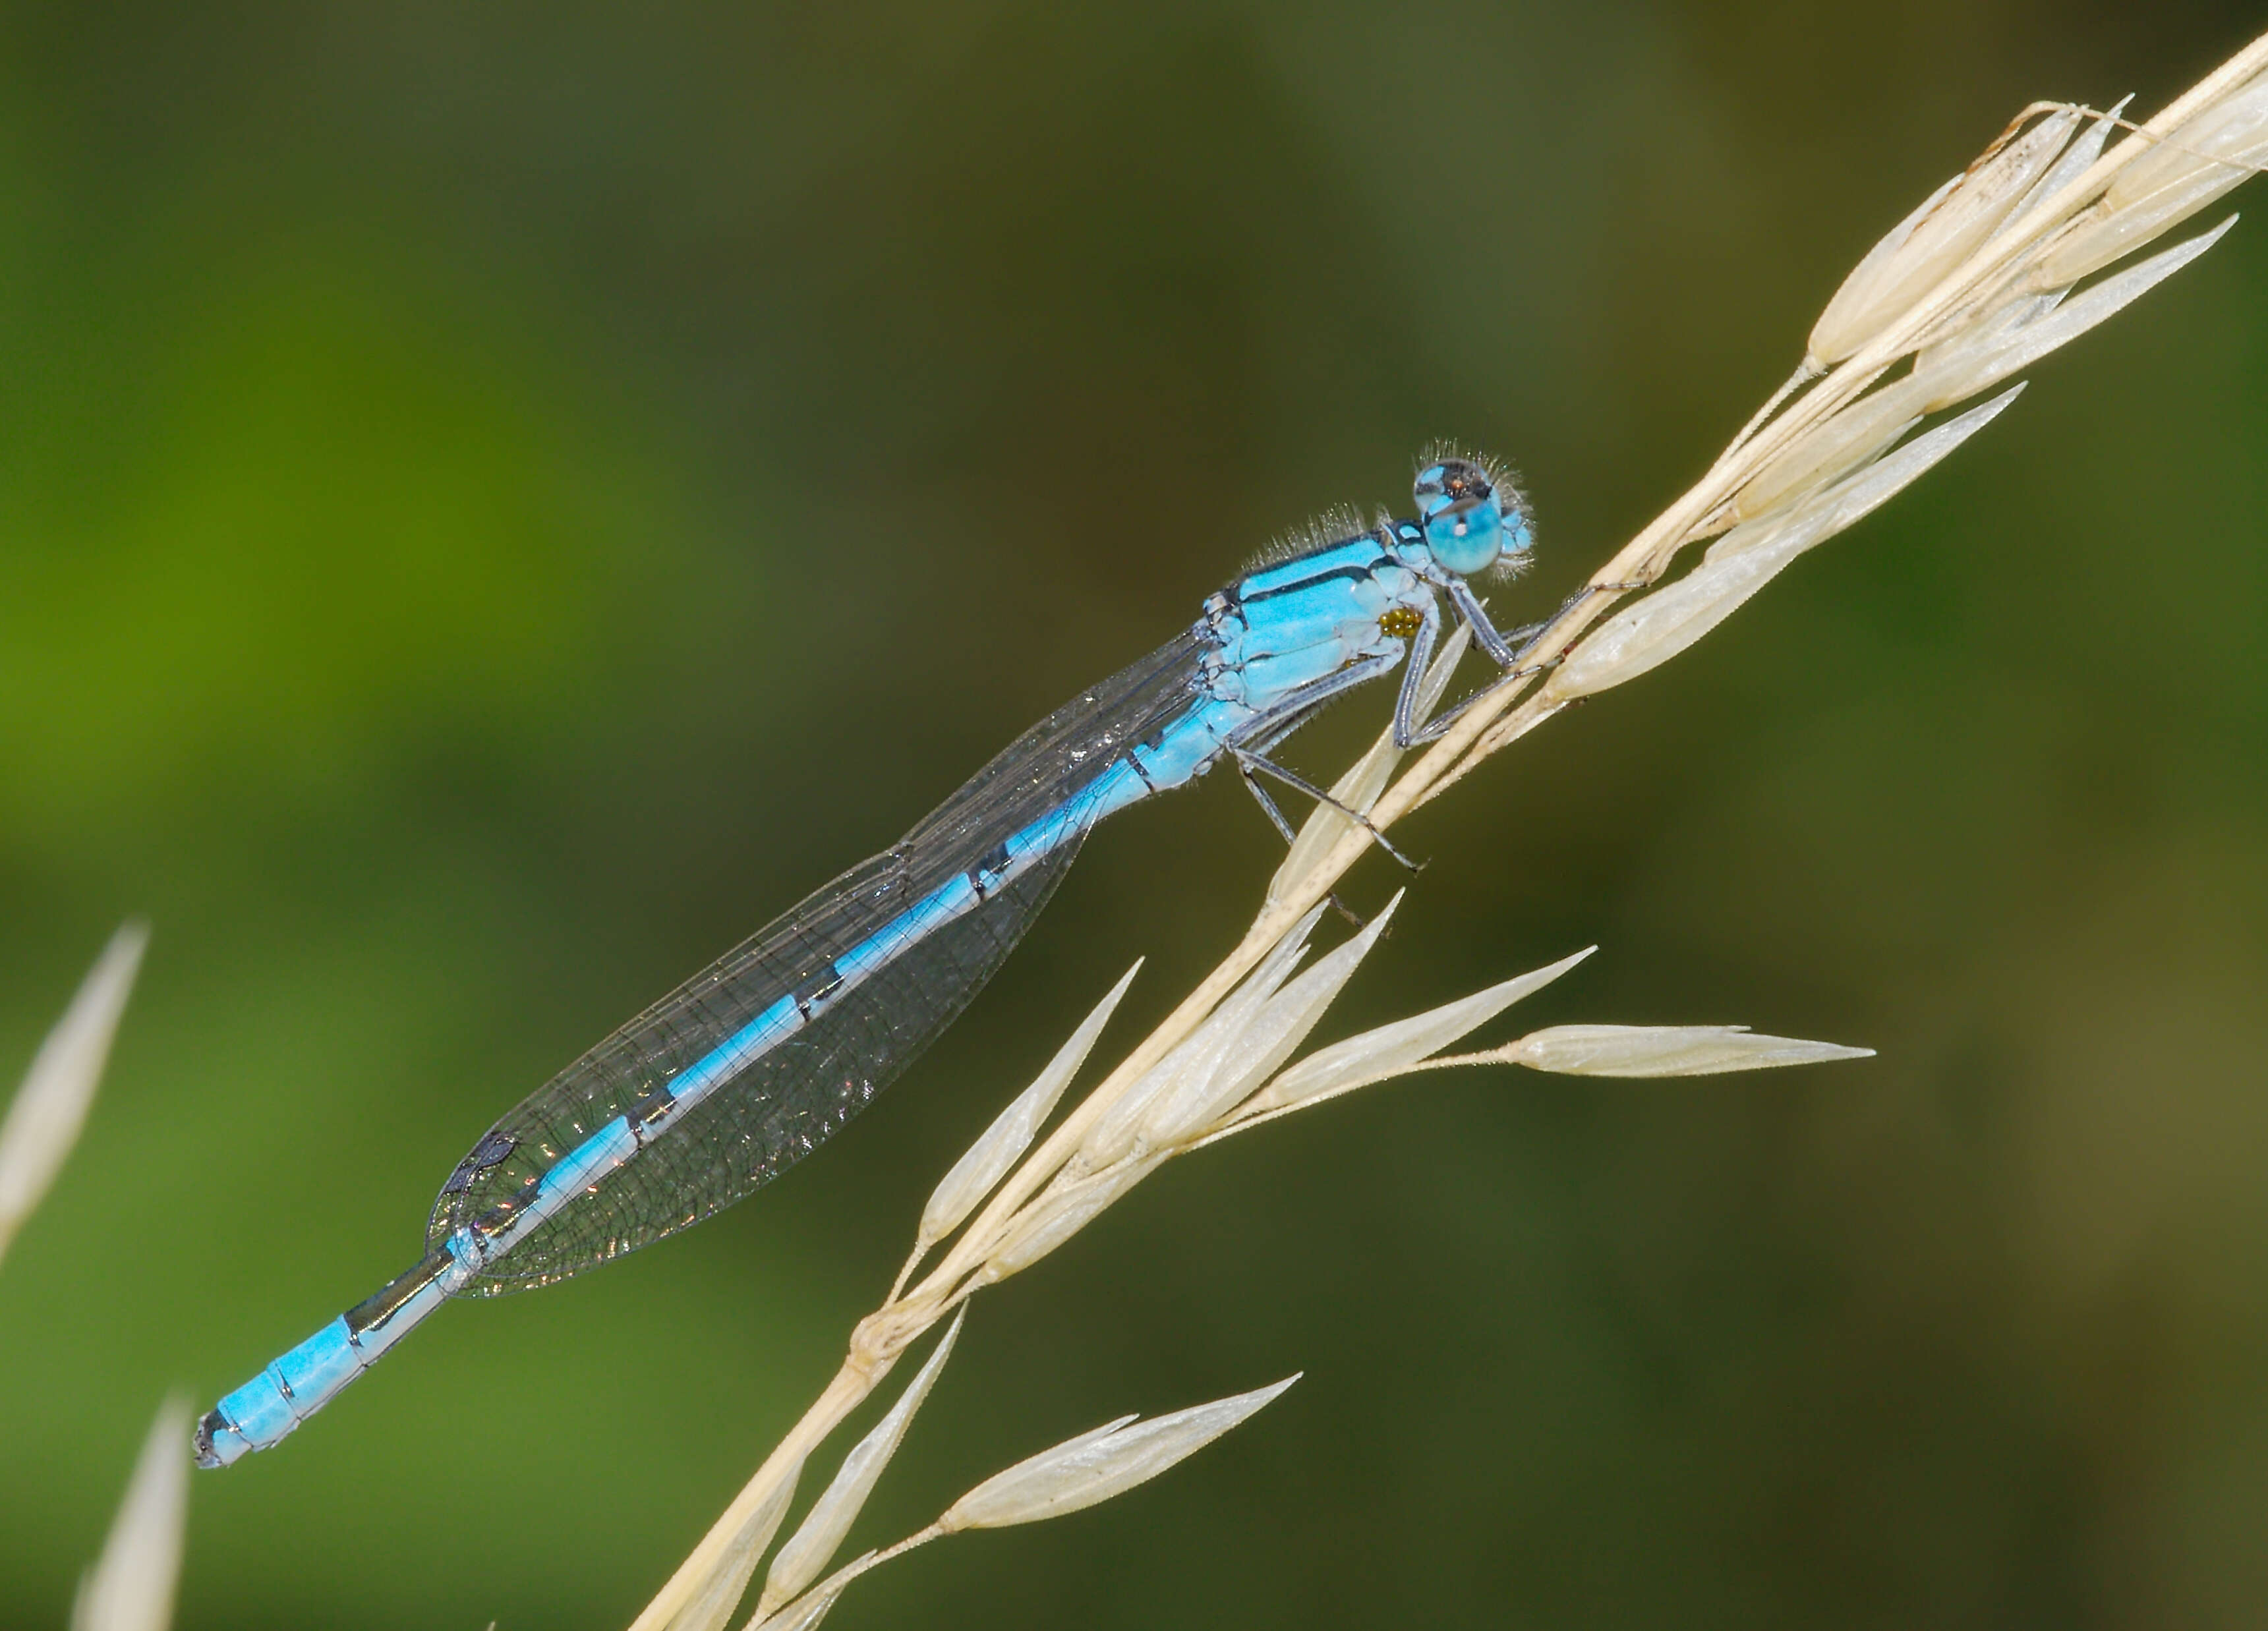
(1507,648)
(1249,745)
(1275,814)
(1251,741)
(1406,724)
(1248,762)
(1438,726)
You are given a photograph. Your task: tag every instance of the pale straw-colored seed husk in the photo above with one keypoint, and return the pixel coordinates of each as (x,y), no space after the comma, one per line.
(44,1118)
(132,1587)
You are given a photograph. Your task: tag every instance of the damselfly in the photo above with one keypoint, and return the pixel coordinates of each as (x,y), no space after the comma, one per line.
(753,1062)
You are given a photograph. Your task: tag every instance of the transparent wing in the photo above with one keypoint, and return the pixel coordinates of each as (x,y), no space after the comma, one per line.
(781,1104)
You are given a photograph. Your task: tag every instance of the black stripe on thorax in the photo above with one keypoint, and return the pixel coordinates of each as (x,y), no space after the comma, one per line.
(1353,573)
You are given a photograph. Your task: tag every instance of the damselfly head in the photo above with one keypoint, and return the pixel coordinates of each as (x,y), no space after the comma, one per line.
(1473,516)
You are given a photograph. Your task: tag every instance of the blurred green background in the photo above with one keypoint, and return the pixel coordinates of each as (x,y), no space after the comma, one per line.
(497,502)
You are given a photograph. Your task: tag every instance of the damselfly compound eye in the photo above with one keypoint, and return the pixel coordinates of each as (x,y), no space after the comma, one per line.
(1463,522)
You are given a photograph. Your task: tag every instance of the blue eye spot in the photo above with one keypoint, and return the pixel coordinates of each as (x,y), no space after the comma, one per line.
(1464,521)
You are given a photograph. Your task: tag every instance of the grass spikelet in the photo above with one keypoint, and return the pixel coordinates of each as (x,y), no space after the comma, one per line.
(721,1594)
(1080,1472)
(1115,1132)
(132,1587)
(1390,1050)
(44,1119)
(806,1551)
(987,1161)
(1092,1468)
(1661,1050)
(1930,243)
(1664,624)
(1262,1044)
